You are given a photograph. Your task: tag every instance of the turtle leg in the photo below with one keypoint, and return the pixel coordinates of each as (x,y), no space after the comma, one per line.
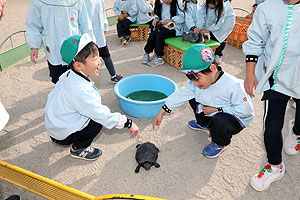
(137,169)
(156,165)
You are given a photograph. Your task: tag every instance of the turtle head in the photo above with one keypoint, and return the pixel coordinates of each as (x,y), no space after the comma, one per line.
(147,166)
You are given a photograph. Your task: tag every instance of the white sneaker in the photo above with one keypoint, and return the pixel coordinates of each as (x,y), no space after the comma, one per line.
(294,105)
(146,59)
(292,142)
(218,59)
(263,179)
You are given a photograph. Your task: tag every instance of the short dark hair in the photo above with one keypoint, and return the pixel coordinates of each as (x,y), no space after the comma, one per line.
(205,71)
(90,48)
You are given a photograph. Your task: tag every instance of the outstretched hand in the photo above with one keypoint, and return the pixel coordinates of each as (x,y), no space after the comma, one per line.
(134,130)
(158,118)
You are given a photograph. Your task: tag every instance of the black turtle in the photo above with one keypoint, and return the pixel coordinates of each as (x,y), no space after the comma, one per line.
(146,156)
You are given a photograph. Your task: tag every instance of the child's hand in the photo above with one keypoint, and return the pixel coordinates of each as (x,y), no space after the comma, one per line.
(154,22)
(158,118)
(166,21)
(134,130)
(250,83)
(208,110)
(34,54)
(196,30)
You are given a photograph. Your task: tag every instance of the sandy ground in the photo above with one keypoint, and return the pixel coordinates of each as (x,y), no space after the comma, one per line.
(184,173)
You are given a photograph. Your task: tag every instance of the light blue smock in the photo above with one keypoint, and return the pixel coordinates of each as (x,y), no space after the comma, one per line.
(265,40)
(129,6)
(259,1)
(178,19)
(51,22)
(191,13)
(96,11)
(227,93)
(144,9)
(71,105)
(207,21)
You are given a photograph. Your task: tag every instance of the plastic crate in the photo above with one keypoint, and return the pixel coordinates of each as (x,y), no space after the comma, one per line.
(239,33)
(139,33)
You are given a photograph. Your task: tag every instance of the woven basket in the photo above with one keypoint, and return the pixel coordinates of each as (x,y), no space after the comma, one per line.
(139,33)
(239,33)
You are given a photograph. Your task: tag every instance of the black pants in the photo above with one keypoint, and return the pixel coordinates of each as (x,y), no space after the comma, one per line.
(222,125)
(123,28)
(105,55)
(83,138)
(219,50)
(156,41)
(56,71)
(274,112)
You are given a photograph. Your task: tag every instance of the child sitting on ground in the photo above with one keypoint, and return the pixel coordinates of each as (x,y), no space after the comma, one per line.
(74,114)
(216,17)
(218,99)
(166,12)
(126,12)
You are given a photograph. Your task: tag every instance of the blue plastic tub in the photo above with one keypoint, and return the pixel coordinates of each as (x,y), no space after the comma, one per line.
(143,109)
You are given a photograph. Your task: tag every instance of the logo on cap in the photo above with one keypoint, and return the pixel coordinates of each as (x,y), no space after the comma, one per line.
(206,55)
(74,40)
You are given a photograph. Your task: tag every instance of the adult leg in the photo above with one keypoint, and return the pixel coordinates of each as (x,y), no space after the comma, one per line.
(56,71)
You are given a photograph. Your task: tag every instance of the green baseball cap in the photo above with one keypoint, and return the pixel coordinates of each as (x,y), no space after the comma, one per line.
(73,45)
(197,58)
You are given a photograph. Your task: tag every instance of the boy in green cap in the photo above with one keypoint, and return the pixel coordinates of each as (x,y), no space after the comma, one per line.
(74,114)
(218,99)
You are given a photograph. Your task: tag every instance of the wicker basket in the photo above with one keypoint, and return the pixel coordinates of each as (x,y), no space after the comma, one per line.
(139,33)
(239,33)
(174,56)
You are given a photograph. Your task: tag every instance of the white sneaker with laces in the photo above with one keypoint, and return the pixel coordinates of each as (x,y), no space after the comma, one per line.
(269,174)
(292,142)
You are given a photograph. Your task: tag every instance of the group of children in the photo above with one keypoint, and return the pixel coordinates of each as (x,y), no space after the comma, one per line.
(222,104)
(214,16)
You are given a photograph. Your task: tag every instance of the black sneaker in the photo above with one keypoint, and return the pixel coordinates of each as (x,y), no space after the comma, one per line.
(88,153)
(116,78)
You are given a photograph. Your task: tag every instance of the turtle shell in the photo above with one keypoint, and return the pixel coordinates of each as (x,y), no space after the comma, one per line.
(146,152)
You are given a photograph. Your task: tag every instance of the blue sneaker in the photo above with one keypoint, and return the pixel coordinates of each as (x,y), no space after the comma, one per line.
(213,150)
(193,125)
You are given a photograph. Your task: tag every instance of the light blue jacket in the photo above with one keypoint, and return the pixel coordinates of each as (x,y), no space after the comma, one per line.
(178,19)
(50,22)
(191,14)
(266,36)
(143,12)
(227,93)
(71,105)
(259,1)
(207,20)
(129,6)
(98,19)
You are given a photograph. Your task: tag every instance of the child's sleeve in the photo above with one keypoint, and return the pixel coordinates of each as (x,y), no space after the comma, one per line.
(88,103)
(34,26)
(189,21)
(105,17)
(180,96)
(201,14)
(179,18)
(84,22)
(258,33)
(116,8)
(143,7)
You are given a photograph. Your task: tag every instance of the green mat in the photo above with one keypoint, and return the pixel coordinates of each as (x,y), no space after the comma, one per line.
(178,43)
(146,95)
(133,25)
